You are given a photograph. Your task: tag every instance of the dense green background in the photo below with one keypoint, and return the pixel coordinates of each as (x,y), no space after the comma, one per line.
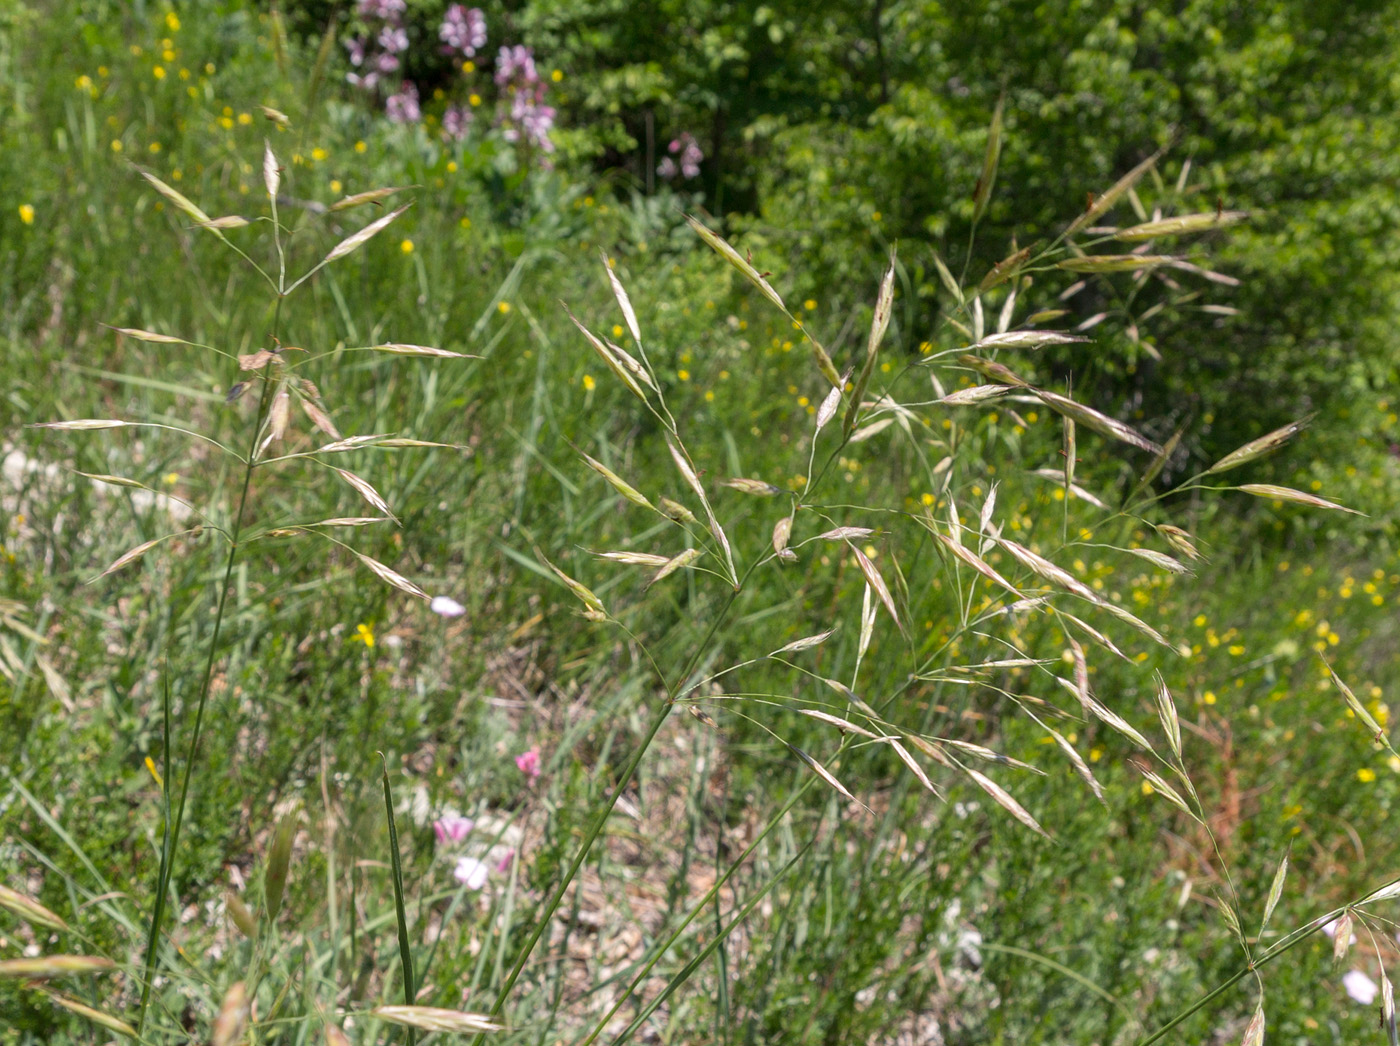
(832,131)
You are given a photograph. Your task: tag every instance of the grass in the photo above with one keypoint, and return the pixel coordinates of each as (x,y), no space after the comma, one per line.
(732,895)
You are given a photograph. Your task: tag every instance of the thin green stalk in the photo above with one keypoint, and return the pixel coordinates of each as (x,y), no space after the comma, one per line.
(173,829)
(596,828)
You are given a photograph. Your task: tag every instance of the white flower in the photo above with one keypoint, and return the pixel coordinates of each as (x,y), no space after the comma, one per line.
(471,873)
(1358,986)
(446,606)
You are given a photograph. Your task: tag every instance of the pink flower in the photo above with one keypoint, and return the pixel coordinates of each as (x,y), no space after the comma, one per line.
(1360,987)
(463,30)
(529,763)
(471,873)
(403,107)
(503,865)
(452,829)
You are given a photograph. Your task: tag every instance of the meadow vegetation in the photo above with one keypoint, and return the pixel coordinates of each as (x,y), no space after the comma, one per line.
(689,523)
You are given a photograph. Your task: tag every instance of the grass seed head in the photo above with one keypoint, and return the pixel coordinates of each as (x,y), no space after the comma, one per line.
(432,1018)
(233,1016)
(29,909)
(46,966)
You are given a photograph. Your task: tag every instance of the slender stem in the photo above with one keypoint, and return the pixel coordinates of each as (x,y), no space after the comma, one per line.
(173,835)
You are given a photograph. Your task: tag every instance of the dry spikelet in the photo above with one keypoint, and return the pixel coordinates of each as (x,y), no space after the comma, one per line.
(129,557)
(178,199)
(432,1018)
(320,418)
(978,564)
(349,443)
(1004,270)
(1388,1009)
(354,240)
(1093,633)
(1275,892)
(1341,938)
(228,221)
(805,643)
(1077,761)
(359,198)
(1358,709)
(619,484)
(272,175)
(635,559)
(609,358)
(31,910)
(997,372)
(229,1025)
(400,349)
(782,531)
(1102,204)
(757,487)
(838,722)
(877,583)
(1005,800)
(1268,490)
(595,610)
(363,488)
(675,510)
(143,335)
(1166,791)
(1257,448)
(945,275)
(680,562)
(241,916)
(401,442)
(1166,713)
(1181,225)
(688,473)
(629,315)
(1040,565)
(990,755)
(1107,263)
(1025,340)
(844,534)
(255,360)
(975,394)
(867,624)
(45,966)
(828,408)
(276,116)
(97,1016)
(279,414)
(1159,559)
(729,254)
(336,1037)
(81,425)
(822,772)
(982,192)
(912,764)
(391,577)
(1254,1031)
(873,429)
(1101,423)
(884,305)
(1179,540)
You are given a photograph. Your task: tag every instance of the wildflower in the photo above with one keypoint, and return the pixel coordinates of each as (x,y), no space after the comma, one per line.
(446,606)
(26,213)
(452,829)
(1365,775)
(158,72)
(1360,987)
(529,763)
(463,31)
(172,21)
(455,122)
(687,159)
(471,872)
(364,634)
(406,246)
(388,10)
(393,39)
(589,383)
(403,107)
(503,307)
